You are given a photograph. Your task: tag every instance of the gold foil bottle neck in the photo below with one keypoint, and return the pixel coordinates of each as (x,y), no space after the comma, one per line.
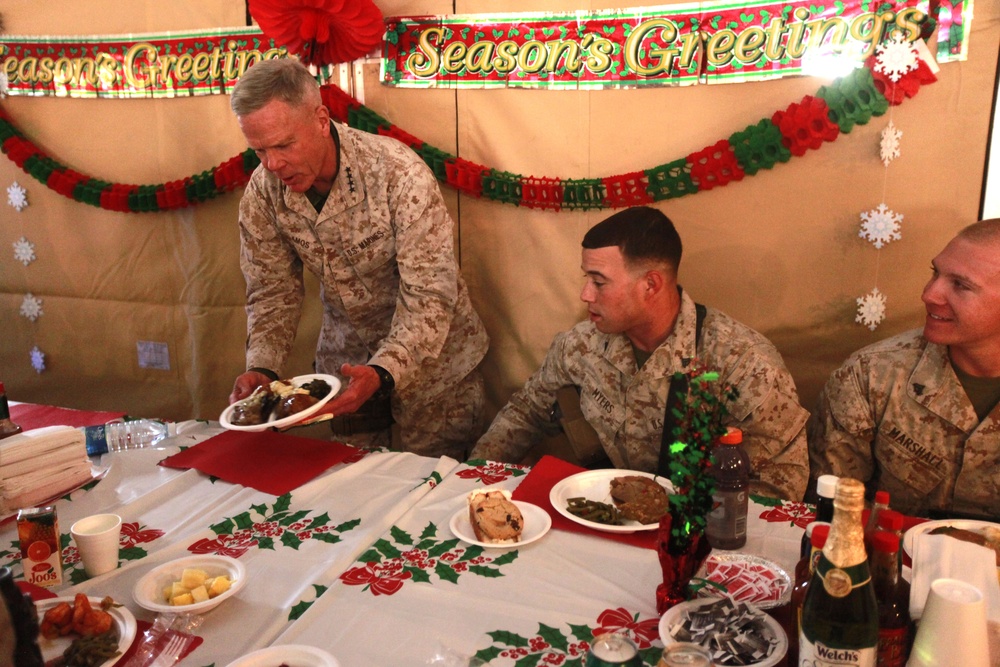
(845,547)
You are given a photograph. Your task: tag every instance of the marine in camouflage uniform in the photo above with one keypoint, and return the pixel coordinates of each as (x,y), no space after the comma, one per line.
(625,404)
(382,247)
(895,416)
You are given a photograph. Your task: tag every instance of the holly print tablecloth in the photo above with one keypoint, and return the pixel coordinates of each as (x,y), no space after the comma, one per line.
(361,562)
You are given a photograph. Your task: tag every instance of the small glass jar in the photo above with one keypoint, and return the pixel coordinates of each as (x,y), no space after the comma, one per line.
(613,650)
(685,654)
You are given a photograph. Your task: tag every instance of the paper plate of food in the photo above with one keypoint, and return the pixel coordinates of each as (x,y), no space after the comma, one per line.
(983,533)
(281,404)
(615,501)
(95,628)
(735,633)
(491,519)
(290,655)
(190,585)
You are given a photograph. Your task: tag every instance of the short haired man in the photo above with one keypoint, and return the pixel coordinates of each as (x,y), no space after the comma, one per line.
(916,415)
(641,330)
(365,215)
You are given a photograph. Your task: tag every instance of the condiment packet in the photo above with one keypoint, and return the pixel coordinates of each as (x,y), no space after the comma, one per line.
(734,632)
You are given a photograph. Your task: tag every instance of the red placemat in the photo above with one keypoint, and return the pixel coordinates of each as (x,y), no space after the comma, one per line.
(31,415)
(271,462)
(536,485)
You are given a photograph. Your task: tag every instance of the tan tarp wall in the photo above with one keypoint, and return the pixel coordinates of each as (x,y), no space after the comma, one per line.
(779,250)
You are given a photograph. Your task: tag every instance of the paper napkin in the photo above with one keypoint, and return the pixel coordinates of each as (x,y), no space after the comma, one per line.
(940,556)
(41,464)
(271,462)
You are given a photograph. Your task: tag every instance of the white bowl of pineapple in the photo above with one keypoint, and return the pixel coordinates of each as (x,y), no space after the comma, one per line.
(191,585)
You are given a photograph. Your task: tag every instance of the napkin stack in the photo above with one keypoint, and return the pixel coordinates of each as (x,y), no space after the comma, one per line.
(41,464)
(943,557)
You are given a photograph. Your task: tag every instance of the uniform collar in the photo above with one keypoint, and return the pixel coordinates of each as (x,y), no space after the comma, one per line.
(674,354)
(934,385)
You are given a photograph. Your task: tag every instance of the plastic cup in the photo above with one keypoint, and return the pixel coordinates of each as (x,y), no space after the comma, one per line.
(97,539)
(952,628)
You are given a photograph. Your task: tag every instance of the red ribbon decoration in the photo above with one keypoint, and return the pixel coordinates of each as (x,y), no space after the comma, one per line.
(321,32)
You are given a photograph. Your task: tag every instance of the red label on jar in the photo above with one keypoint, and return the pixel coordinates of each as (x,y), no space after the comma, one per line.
(892,647)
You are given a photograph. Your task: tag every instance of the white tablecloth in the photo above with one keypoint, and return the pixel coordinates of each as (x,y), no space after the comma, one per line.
(361,562)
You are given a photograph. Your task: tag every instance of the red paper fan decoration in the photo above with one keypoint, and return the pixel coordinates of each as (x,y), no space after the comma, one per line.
(321,32)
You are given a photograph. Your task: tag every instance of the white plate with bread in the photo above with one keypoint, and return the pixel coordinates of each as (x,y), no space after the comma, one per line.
(595,485)
(491,519)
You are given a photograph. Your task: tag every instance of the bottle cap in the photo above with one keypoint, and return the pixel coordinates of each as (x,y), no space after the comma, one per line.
(2,390)
(885,542)
(820,532)
(881,497)
(733,436)
(826,485)
(890,520)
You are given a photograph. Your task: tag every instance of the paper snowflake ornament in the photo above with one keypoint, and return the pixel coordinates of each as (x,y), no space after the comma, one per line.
(24,251)
(880,226)
(37,359)
(895,57)
(17,196)
(3,85)
(31,307)
(871,309)
(889,147)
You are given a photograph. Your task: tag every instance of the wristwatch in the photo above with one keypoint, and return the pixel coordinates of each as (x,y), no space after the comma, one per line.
(386,380)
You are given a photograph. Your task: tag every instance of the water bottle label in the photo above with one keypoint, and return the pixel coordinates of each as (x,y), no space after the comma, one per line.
(820,655)
(97,441)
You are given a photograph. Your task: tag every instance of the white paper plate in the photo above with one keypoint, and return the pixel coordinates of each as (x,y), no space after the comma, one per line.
(536,523)
(124,625)
(290,420)
(920,528)
(596,485)
(745,578)
(148,591)
(293,655)
(675,614)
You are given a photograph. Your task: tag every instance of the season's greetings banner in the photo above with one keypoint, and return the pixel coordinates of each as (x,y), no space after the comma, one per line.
(704,42)
(173,64)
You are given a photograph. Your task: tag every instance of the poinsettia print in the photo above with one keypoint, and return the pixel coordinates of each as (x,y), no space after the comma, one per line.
(554,646)
(266,526)
(783,511)
(490,472)
(391,563)
(619,620)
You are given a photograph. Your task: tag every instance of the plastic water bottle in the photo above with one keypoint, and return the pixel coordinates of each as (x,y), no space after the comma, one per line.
(121,435)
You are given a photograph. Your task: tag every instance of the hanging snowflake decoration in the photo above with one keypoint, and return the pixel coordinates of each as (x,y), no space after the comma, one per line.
(3,85)
(31,307)
(880,226)
(37,359)
(24,251)
(871,309)
(17,196)
(889,147)
(895,57)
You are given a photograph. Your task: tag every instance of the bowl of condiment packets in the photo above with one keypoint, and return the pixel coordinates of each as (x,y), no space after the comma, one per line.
(735,633)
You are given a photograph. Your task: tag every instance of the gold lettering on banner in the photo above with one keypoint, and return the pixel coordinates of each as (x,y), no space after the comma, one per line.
(143,66)
(657,47)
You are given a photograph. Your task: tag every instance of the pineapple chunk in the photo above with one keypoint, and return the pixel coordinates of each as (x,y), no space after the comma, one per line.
(168,592)
(199,594)
(193,578)
(182,599)
(219,586)
(177,588)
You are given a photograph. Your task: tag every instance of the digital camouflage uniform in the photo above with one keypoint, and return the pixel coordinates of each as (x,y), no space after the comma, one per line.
(896,417)
(393,296)
(625,405)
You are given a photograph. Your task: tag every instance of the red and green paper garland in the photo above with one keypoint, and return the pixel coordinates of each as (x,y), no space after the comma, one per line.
(804,125)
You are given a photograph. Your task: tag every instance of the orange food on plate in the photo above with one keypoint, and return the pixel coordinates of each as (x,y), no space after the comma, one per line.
(79,617)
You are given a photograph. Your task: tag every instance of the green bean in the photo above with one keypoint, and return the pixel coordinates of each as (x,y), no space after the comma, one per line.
(91,651)
(592,510)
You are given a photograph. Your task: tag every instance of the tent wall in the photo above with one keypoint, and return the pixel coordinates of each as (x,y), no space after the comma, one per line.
(779,251)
